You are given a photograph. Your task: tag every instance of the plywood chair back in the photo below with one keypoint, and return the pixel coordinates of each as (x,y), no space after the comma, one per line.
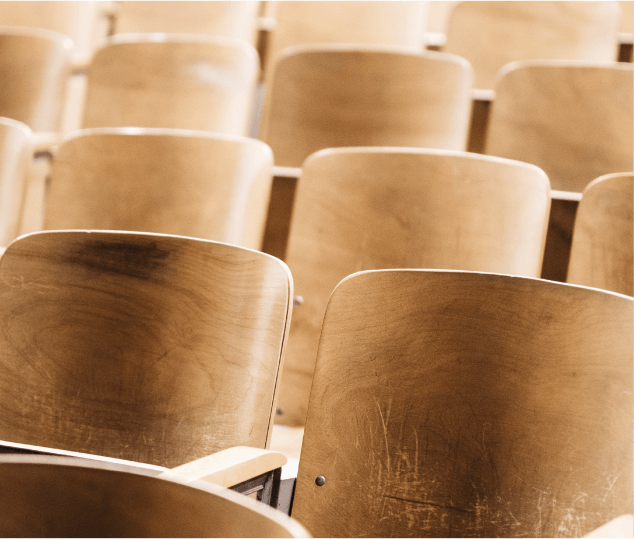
(236,20)
(16,152)
(468,405)
(602,243)
(492,34)
(189,183)
(145,347)
(172,80)
(572,119)
(37,64)
(52,497)
(352,95)
(368,208)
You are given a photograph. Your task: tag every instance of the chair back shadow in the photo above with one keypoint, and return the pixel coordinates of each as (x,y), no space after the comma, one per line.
(602,241)
(368,208)
(56,497)
(572,119)
(172,80)
(468,405)
(190,183)
(16,153)
(37,62)
(327,96)
(151,348)
(492,34)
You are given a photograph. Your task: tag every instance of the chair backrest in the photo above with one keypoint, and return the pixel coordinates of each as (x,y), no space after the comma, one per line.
(602,242)
(362,209)
(468,404)
(16,152)
(352,95)
(572,119)
(236,20)
(145,347)
(54,497)
(492,34)
(37,64)
(189,183)
(172,80)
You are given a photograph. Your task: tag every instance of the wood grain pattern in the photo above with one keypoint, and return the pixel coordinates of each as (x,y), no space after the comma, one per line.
(16,153)
(468,405)
(189,183)
(172,80)
(53,497)
(602,242)
(572,119)
(361,209)
(145,347)
(37,62)
(492,34)
(329,96)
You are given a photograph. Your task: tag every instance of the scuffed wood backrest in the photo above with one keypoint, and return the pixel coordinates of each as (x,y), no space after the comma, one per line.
(572,119)
(50,497)
(352,95)
(492,34)
(151,348)
(16,152)
(464,404)
(178,81)
(361,209)
(601,254)
(205,185)
(34,65)
(236,20)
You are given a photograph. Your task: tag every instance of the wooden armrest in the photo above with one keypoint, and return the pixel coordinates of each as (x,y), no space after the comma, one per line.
(79,63)
(229,467)
(622,526)
(482,94)
(565,195)
(266,24)
(45,142)
(287,172)
(437,40)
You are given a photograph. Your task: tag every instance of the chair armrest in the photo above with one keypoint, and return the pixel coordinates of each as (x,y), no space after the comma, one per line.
(44,143)
(622,526)
(229,467)
(482,94)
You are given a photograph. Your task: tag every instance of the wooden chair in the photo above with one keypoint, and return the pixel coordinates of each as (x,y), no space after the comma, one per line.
(467,404)
(37,62)
(189,183)
(50,497)
(601,254)
(237,20)
(173,81)
(149,348)
(16,152)
(572,119)
(375,208)
(492,34)
(337,95)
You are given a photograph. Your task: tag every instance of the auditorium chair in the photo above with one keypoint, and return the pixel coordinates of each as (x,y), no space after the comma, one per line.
(53,497)
(601,254)
(172,80)
(468,405)
(148,348)
(376,208)
(326,96)
(173,181)
(572,119)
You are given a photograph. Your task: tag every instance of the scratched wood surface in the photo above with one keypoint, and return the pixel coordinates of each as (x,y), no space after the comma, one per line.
(360,209)
(172,80)
(190,183)
(465,404)
(327,96)
(492,34)
(16,154)
(151,348)
(50,497)
(602,243)
(37,62)
(572,119)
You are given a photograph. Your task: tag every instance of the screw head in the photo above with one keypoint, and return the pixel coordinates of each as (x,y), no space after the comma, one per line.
(320,481)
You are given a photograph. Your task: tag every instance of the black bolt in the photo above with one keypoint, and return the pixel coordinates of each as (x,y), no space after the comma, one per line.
(320,481)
